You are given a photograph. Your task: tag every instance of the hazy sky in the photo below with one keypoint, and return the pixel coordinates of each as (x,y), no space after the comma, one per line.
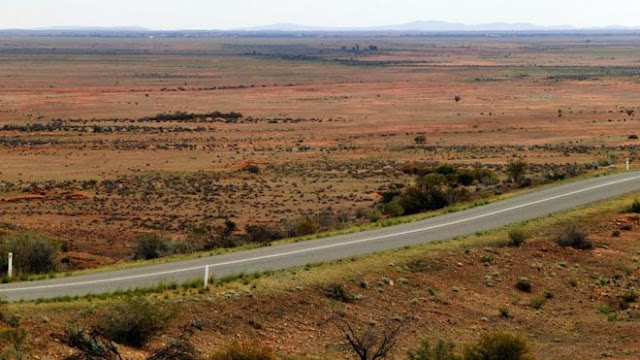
(224,14)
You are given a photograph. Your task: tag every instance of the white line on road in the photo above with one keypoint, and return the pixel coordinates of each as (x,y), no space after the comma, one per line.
(324,247)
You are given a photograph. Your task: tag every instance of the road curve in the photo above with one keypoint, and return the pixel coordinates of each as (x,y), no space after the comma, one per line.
(532,205)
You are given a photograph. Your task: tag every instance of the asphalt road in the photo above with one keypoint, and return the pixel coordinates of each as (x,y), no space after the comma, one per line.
(529,206)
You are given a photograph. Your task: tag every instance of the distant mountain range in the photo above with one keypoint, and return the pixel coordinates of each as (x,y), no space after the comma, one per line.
(433,26)
(416,26)
(94,28)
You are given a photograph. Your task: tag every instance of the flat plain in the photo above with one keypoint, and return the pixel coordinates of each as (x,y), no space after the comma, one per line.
(327,121)
(107,136)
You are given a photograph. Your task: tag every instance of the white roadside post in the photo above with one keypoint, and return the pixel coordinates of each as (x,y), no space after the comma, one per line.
(206,277)
(628,164)
(10,266)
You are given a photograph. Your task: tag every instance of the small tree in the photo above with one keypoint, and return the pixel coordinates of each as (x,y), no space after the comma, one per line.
(420,139)
(516,170)
(457,98)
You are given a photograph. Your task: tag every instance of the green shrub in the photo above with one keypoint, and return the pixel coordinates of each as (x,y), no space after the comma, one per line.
(523,284)
(244,351)
(517,237)
(14,344)
(33,253)
(538,302)
(635,207)
(444,350)
(337,292)
(505,313)
(306,227)
(150,246)
(262,234)
(253,169)
(516,169)
(392,208)
(630,297)
(576,237)
(374,215)
(499,346)
(134,321)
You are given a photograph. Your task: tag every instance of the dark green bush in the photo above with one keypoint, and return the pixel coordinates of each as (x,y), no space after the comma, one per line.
(517,237)
(33,253)
(523,284)
(429,193)
(150,246)
(262,233)
(635,207)
(499,346)
(392,208)
(253,169)
(337,292)
(576,237)
(306,226)
(134,321)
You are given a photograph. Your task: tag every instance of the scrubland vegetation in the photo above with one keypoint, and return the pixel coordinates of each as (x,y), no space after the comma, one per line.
(178,146)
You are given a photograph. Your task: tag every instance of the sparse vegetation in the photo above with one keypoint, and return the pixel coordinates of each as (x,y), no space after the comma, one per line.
(134,321)
(575,236)
(443,350)
(503,345)
(369,343)
(33,253)
(524,284)
(517,237)
(244,350)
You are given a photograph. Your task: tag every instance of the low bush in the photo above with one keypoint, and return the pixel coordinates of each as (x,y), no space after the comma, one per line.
(505,313)
(134,321)
(262,234)
(499,346)
(523,284)
(576,237)
(15,344)
(244,351)
(538,302)
(306,226)
(150,246)
(444,350)
(517,237)
(635,207)
(33,253)
(337,292)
